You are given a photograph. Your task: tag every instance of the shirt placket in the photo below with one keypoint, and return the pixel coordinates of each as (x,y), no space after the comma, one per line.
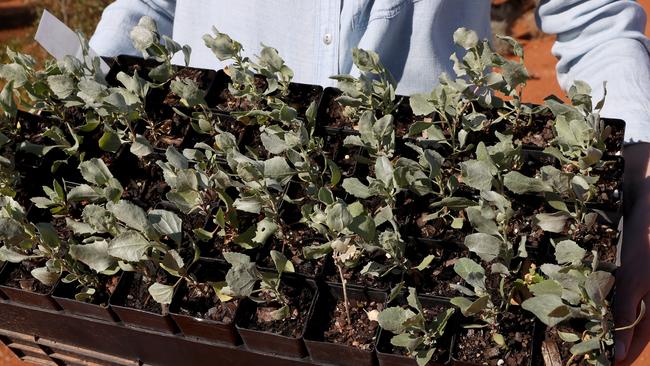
(328,44)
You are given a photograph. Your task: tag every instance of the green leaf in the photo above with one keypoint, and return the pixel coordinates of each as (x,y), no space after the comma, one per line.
(100,219)
(141,146)
(236,258)
(393,318)
(598,285)
(222,45)
(45,276)
(568,336)
(167,223)
(312,252)
(384,171)
(548,308)
(420,104)
(241,279)
(586,346)
(176,159)
(466,38)
(487,247)
(145,34)
(188,91)
(425,262)
(8,255)
(62,85)
(95,171)
(129,246)
(131,215)
(553,222)
(477,174)
(469,307)
(354,187)
(498,339)
(424,356)
(338,217)
(173,263)
(465,267)
(568,252)
(483,219)
(11,231)
(282,264)
(110,141)
(95,255)
(278,168)
(546,287)
(264,230)
(161,293)
(520,184)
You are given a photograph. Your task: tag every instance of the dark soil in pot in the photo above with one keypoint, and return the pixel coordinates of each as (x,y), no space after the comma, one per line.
(142,180)
(540,133)
(291,245)
(354,277)
(96,307)
(523,221)
(300,96)
(200,301)
(360,332)
(600,237)
(19,276)
(334,114)
(215,247)
(102,294)
(258,317)
(331,339)
(138,297)
(435,280)
(197,310)
(476,347)
(414,211)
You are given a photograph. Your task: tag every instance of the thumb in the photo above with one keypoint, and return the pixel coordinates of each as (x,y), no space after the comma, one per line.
(626,313)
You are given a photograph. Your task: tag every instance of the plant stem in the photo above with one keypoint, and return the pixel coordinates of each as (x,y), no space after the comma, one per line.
(345,293)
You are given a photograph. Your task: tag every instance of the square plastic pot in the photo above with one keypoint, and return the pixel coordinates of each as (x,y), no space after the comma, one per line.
(207,329)
(64,293)
(25,297)
(323,351)
(384,349)
(272,343)
(535,348)
(136,317)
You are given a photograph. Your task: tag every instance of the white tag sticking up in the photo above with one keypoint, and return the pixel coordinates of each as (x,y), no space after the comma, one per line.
(60,41)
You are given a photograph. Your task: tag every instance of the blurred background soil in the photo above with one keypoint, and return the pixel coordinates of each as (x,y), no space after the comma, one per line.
(18,19)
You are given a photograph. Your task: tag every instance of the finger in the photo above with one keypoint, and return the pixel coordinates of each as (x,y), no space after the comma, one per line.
(626,313)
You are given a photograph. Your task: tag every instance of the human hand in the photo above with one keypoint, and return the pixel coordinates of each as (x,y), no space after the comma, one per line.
(633,277)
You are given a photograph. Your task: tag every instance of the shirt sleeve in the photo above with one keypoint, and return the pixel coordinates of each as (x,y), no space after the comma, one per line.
(111,36)
(603,40)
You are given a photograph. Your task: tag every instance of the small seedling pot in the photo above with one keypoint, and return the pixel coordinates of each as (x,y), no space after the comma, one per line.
(207,329)
(136,317)
(535,347)
(385,353)
(268,342)
(323,351)
(64,293)
(40,300)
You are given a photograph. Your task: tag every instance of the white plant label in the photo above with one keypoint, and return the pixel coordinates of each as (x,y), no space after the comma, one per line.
(60,41)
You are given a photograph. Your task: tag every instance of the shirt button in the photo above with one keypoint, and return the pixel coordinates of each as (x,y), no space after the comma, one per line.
(327,38)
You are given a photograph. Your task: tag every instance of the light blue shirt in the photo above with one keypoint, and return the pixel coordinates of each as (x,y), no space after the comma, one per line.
(597,40)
